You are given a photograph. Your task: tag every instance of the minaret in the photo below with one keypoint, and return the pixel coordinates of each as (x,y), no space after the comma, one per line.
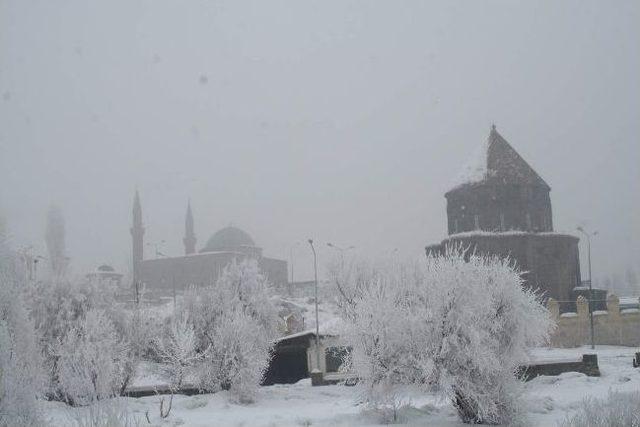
(189,235)
(137,234)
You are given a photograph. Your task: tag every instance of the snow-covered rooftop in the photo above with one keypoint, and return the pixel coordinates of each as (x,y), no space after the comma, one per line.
(496,158)
(476,233)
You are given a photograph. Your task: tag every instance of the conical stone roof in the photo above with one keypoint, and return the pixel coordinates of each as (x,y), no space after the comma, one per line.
(498,163)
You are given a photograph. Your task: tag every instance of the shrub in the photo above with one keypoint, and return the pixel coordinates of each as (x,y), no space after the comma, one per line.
(458,324)
(235,324)
(91,360)
(22,379)
(617,410)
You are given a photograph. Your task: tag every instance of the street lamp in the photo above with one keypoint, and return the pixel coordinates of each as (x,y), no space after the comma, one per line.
(588,236)
(342,250)
(315,272)
(291,259)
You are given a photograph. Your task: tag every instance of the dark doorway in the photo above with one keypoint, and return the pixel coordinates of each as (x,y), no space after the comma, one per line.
(288,366)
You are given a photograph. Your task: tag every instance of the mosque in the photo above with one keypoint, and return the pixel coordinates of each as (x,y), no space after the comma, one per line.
(168,275)
(501,206)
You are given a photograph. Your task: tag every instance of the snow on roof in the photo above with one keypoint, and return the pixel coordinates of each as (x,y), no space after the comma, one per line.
(569,314)
(496,158)
(475,233)
(301,334)
(476,169)
(629,300)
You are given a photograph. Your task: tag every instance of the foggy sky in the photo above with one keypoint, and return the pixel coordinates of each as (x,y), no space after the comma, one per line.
(342,121)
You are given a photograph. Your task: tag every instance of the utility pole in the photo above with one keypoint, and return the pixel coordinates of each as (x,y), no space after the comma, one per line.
(315,272)
(588,236)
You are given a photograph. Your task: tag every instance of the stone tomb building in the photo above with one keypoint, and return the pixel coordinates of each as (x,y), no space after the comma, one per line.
(169,275)
(500,205)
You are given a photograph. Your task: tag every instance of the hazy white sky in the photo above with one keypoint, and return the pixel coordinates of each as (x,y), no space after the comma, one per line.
(344,121)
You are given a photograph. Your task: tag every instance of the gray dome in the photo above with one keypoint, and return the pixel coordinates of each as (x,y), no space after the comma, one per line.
(105,267)
(228,239)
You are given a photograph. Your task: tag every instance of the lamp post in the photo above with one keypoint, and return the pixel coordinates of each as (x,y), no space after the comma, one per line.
(291,259)
(315,272)
(588,236)
(342,250)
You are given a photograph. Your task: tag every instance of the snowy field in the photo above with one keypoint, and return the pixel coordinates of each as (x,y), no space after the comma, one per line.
(551,399)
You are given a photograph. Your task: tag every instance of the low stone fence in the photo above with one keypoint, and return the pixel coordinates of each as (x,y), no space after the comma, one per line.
(142,391)
(588,366)
(611,327)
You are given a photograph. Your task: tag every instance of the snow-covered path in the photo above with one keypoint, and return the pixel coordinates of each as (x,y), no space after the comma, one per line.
(550,400)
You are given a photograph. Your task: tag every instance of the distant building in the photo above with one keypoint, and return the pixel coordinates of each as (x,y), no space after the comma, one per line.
(106,273)
(500,205)
(169,275)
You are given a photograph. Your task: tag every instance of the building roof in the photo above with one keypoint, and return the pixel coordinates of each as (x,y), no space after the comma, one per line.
(497,162)
(228,238)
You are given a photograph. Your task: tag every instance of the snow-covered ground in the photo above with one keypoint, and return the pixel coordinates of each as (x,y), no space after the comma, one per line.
(550,399)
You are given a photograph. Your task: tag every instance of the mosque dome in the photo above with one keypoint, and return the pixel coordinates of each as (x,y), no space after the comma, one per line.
(228,239)
(106,268)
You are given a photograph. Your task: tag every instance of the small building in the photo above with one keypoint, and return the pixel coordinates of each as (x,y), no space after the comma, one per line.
(295,357)
(106,273)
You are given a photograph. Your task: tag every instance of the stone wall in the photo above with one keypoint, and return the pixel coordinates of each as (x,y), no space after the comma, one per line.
(588,365)
(499,208)
(549,261)
(611,327)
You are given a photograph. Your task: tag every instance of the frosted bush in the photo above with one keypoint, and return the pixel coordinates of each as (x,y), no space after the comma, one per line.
(106,413)
(458,324)
(22,379)
(91,360)
(176,350)
(60,310)
(617,410)
(235,324)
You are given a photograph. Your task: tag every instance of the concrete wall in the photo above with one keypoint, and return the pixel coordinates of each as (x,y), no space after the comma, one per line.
(611,327)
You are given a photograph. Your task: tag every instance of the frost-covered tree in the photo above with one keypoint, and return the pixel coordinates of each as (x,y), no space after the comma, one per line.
(91,360)
(239,357)
(55,239)
(458,324)
(21,375)
(235,324)
(65,314)
(176,350)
